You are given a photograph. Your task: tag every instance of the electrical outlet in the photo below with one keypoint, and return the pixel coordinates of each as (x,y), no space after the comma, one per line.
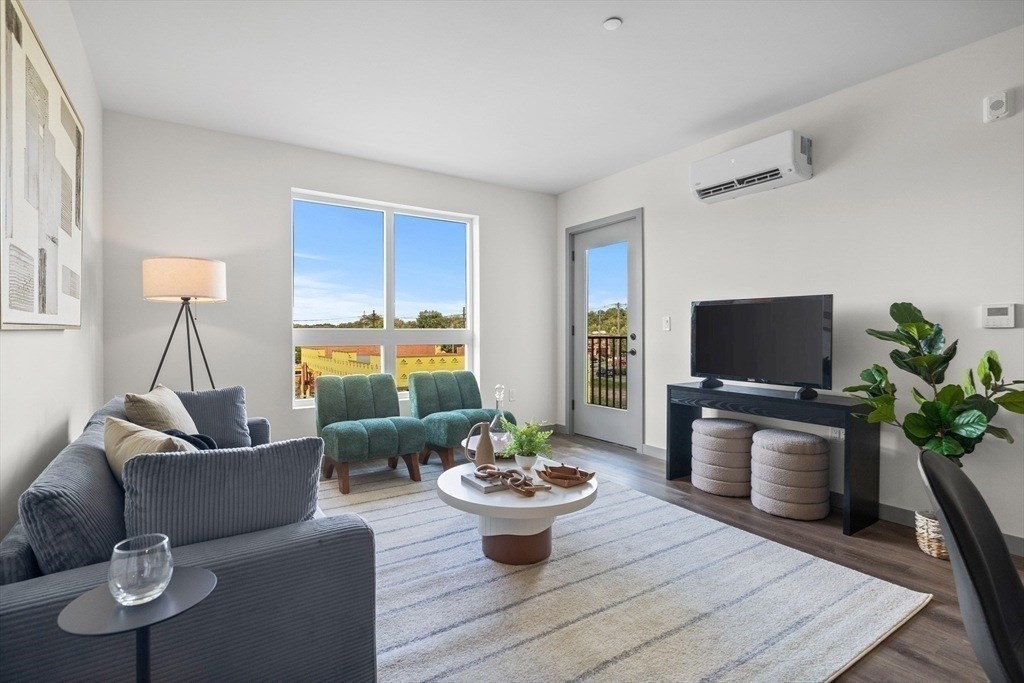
(511,395)
(836,434)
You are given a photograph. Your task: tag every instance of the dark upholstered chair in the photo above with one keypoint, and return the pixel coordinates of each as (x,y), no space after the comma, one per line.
(988,587)
(448,403)
(357,417)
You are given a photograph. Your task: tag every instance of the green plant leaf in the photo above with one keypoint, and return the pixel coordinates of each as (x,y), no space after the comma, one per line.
(966,443)
(856,387)
(994,365)
(918,425)
(934,341)
(1000,433)
(884,409)
(918,331)
(905,312)
(944,445)
(901,359)
(931,367)
(938,414)
(897,336)
(917,395)
(1012,401)
(985,372)
(951,395)
(939,373)
(979,403)
(970,424)
(968,383)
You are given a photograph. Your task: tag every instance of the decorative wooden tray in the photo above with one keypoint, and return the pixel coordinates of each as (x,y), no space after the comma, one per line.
(564,476)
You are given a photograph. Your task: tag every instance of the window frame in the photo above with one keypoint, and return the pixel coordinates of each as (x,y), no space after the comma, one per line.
(389,338)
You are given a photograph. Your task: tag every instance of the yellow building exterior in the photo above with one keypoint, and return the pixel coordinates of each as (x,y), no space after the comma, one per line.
(315,361)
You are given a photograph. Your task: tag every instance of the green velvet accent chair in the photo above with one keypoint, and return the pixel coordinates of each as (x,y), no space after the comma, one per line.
(448,404)
(357,417)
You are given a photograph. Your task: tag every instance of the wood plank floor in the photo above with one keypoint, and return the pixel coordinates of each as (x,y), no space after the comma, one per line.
(932,646)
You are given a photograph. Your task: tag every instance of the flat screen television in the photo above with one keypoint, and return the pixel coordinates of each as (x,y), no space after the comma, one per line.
(782,340)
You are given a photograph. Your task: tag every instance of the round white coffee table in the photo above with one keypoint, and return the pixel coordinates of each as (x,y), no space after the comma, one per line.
(514,529)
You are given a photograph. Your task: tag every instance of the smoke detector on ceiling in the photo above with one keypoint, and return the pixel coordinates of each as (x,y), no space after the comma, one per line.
(612,23)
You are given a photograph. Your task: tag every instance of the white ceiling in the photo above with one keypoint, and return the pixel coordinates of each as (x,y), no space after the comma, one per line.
(535,95)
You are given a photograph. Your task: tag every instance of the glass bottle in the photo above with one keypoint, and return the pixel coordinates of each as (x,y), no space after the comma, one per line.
(499,435)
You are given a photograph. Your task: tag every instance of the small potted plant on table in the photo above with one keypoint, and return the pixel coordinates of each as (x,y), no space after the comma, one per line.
(526,443)
(951,419)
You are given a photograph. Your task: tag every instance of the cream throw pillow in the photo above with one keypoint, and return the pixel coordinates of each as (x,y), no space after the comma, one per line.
(124,440)
(160,409)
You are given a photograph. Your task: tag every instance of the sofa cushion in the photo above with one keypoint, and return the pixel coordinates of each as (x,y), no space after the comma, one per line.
(160,409)
(446,428)
(449,428)
(378,437)
(123,440)
(17,561)
(73,511)
(218,413)
(203,495)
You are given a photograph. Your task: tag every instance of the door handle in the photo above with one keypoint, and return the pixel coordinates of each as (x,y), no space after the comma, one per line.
(632,352)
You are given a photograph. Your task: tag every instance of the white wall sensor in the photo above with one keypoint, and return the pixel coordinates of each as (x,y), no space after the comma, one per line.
(996,106)
(997,315)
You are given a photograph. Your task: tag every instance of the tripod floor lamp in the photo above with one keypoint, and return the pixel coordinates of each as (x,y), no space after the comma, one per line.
(188,281)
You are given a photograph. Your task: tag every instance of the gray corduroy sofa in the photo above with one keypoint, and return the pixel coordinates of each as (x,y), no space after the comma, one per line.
(271,616)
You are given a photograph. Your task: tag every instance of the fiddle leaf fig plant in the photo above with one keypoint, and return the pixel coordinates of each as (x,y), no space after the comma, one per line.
(955,417)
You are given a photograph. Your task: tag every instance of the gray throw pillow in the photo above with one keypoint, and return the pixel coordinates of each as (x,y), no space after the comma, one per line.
(160,409)
(219,414)
(202,495)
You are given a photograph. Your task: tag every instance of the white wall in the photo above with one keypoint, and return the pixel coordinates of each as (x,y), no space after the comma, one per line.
(913,199)
(52,380)
(178,190)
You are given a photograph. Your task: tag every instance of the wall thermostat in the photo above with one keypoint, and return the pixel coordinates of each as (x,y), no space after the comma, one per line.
(997,315)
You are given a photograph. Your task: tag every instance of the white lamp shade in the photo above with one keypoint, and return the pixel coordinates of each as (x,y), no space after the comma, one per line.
(176,277)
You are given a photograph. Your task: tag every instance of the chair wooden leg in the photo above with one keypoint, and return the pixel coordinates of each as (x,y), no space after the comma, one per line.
(327,467)
(412,462)
(343,477)
(393,462)
(425,456)
(447,457)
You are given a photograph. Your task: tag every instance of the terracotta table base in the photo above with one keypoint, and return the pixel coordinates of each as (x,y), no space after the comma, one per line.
(511,549)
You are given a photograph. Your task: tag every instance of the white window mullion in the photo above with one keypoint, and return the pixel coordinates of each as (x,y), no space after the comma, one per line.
(389,359)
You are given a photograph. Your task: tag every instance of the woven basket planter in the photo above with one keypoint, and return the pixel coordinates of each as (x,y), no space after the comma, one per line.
(929,534)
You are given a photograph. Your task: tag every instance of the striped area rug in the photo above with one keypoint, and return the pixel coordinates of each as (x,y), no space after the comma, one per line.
(636,589)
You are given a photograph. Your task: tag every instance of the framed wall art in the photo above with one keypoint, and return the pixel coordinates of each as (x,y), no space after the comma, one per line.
(42,143)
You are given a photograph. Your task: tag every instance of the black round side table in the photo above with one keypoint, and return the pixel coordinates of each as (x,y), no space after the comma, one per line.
(96,613)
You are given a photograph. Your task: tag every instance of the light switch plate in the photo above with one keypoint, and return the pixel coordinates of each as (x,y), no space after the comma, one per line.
(666,323)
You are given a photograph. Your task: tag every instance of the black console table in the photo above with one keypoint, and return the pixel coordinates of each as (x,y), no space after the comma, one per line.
(860,453)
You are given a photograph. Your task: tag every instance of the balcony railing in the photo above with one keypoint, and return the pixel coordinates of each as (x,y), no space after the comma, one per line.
(606,381)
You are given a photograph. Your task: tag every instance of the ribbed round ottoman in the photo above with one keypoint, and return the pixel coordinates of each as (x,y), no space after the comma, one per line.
(721,456)
(789,474)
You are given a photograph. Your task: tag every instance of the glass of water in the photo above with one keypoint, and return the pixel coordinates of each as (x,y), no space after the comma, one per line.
(140,569)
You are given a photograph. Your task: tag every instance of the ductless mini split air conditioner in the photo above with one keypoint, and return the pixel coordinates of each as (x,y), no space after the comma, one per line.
(773,162)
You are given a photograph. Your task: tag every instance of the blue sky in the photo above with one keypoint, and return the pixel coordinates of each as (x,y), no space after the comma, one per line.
(607,276)
(339,263)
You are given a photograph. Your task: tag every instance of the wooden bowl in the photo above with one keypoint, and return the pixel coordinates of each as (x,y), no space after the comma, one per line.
(564,476)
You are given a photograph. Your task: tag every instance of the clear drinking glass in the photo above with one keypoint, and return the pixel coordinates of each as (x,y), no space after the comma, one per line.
(140,569)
